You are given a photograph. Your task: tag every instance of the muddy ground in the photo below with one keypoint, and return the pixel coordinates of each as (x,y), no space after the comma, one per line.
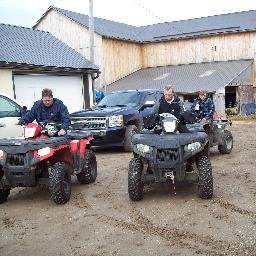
(101,220)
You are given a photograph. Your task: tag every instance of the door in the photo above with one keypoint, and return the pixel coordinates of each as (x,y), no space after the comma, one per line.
(69,89)
(10,112)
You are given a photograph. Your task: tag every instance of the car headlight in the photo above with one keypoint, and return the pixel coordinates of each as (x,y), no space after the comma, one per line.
(145,149)
(115,121)
(193,147)
(2,155)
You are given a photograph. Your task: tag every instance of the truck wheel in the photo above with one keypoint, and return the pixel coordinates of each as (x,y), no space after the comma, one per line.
(205,179)
(135,183)
(227,146)
(88,173)
(130,131)
(4,193)
(60,183)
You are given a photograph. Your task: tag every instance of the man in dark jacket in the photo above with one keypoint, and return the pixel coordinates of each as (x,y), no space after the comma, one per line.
(203,106)
(48,109)
(170,103)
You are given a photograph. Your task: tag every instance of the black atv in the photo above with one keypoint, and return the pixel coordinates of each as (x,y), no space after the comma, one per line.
(163,154)
(217,130)
(42,157)
(218,133)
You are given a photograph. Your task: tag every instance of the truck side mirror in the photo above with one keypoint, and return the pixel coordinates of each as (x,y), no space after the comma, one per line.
(148,104)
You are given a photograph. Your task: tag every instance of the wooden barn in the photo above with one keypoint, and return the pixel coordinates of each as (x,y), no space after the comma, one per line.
(219,42)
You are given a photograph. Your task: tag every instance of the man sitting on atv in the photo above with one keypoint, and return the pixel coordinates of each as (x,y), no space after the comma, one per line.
(170,103)
(203,107)
(48,109)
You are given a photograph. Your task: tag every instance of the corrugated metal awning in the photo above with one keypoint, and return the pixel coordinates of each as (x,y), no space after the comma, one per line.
(188,78)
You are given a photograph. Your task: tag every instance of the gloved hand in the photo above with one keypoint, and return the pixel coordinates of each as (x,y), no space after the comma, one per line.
(61,132)
(21,122)
(203,121)
(158,129)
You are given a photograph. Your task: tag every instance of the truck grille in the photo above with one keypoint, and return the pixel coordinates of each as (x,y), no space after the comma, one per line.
(92,123)
(16,160)
(163,155)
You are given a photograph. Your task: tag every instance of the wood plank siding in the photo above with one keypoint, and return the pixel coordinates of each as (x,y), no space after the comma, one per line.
(204,49)
(120,58)
(117,58)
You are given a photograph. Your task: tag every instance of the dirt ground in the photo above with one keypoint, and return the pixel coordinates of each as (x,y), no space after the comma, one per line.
(101,220)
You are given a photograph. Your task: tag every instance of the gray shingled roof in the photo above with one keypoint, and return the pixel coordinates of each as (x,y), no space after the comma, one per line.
(34,47)
(218,24)
(188,78)
(103,27)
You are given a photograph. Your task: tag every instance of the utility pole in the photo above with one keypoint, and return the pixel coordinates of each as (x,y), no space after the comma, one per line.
(91,32)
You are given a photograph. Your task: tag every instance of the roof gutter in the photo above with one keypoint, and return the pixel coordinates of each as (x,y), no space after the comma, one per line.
(31,67)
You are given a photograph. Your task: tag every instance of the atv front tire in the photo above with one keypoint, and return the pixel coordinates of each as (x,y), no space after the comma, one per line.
(135,183)
(205,179)
(130,131)
(60,183)
(88,173)
(227,146)
(4,193)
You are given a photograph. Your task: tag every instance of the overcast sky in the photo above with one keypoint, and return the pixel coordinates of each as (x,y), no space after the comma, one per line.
(134,12)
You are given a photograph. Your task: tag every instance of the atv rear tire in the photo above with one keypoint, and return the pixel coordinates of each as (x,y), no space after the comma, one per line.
(130,131)
(227,146)
(60,183)
(88,173)
(205,179)
(4,193)
(135,183)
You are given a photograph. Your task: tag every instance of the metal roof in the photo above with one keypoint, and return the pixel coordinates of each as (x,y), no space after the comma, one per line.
(205,26)
(19,45)
(103,27)
(188,78)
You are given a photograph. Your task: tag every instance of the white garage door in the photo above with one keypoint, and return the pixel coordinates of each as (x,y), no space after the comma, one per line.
(69,89)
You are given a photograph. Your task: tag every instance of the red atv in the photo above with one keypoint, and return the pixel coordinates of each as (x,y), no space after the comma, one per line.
(41,157)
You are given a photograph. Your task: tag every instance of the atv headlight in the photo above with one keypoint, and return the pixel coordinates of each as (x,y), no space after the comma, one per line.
(193,147)
(30,132)
(170,126)
(145,149)
(44,151)
(115,121)
(220,126)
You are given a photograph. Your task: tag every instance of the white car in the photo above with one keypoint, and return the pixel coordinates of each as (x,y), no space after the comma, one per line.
(10,112)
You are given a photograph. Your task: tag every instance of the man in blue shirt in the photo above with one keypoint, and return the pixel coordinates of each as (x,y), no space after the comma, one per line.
(203,106)
(48,109)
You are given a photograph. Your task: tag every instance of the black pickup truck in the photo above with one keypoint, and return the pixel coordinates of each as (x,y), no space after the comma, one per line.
(117,117)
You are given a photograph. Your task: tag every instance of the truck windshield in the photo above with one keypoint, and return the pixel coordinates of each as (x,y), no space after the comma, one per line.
(120,99)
